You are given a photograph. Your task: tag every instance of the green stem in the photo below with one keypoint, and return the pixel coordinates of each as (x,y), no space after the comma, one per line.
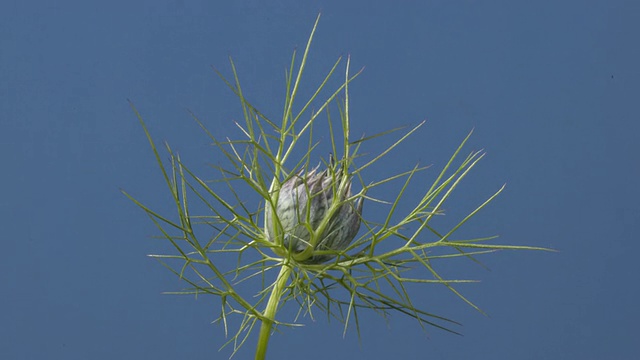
(270,311)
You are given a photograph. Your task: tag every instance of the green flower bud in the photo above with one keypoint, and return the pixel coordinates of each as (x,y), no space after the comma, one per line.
(304,203)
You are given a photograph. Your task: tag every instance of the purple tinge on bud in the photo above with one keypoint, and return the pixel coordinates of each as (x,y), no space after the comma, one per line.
(304,201)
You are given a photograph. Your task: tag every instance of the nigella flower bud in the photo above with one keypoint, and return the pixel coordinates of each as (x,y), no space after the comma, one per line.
(305,203)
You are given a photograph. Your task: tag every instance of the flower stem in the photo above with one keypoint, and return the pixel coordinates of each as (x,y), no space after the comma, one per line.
(270,312)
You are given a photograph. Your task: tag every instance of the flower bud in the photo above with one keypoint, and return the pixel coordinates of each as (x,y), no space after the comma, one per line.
(305,202)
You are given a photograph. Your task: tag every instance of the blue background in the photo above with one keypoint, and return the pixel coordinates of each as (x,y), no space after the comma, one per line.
(551,88)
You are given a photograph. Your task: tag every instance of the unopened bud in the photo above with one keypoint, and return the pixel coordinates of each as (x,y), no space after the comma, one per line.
(304,203)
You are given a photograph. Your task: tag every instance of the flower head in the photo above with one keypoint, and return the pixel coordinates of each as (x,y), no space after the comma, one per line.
(314,213)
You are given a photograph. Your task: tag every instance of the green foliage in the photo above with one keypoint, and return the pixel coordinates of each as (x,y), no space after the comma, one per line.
(266,276)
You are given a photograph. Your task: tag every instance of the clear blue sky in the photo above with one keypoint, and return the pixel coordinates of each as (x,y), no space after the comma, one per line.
(551,88)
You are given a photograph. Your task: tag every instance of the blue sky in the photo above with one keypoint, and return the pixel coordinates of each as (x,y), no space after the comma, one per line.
(551,89)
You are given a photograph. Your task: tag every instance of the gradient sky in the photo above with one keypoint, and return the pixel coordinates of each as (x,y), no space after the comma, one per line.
(551,88)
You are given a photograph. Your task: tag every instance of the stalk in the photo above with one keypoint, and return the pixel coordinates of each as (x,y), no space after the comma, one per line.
(270,312)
